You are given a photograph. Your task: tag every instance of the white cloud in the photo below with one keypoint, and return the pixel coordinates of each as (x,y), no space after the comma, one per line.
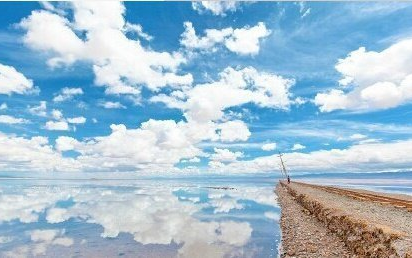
(225,205)
(272,215)
(61,123)
(142,214)
(63,241)
(232,131)
(215,7)
(77,120)
(57,114)
(114,63)
(43,235)
(372,80)
(269,146)
(57,126)
(243,41)
(12,81)
(192,160)
(235,87)
(67,94)
(298,146)
(225,155)
(357,136)
(46,237)
(3,106)
(39,110)
(27,206)
(32,154)
(375,156)
(6,119)
(112,105)
(138,29)
(65,143)
(204,105)
(50,7)
(164,143)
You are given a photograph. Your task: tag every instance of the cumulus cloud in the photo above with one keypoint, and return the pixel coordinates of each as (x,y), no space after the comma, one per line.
(357,136)
(40,110)
(57,126)
(298,146)
(243,41)
(371,80)
(232,131)
(235,87)
(269,146)
(65,143)
(57,114)
(46,237)
(67,94)
(61,123)
(372,156)
(225,205)
(164,143)
(43,235)
(6,119)
(77,120)
(116,61)
(225,155)
(204,105)
(112,105)
(12,81)
(218,8)
(142,214)
(192,160)
(32,154)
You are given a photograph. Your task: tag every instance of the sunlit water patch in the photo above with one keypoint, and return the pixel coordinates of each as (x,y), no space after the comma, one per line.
(54,218)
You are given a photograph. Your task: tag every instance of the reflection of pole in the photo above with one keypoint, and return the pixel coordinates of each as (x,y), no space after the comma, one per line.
(281,170)
(282,166)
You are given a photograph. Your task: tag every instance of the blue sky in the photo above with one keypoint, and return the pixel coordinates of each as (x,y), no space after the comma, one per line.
(180,87)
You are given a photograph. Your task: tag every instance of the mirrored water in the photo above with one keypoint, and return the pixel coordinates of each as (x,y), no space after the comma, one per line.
(157,217)
(149,218)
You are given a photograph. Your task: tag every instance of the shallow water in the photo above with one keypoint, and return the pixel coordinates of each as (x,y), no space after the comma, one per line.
(147,218)
(157,217)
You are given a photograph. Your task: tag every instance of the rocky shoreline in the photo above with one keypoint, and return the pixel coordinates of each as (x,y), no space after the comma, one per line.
(316,223)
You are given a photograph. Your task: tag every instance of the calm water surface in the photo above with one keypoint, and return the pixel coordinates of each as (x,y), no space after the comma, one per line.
(149,218)
(201,217)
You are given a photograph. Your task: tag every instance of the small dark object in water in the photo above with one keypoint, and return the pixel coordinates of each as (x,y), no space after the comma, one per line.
(221,187)
(288,179)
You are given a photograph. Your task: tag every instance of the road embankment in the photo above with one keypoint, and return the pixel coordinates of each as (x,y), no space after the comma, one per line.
(322,221)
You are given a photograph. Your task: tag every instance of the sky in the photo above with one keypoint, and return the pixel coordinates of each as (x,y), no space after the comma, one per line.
(205,87)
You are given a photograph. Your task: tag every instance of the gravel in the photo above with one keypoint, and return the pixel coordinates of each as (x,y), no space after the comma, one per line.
(379,214)
(303,235)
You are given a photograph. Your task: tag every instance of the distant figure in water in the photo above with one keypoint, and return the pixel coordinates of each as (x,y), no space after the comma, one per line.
(288,179)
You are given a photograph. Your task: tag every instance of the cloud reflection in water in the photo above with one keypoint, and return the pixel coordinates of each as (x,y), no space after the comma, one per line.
(134,221)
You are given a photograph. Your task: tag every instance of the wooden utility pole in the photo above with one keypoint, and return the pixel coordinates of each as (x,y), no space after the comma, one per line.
(282,166)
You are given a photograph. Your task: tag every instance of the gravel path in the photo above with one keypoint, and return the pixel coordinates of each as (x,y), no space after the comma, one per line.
(385,215)
(303,235)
